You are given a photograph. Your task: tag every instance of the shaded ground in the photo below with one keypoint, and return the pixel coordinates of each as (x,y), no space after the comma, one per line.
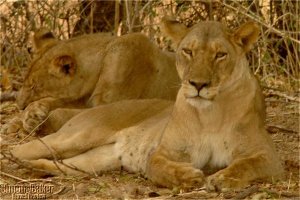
(282,124)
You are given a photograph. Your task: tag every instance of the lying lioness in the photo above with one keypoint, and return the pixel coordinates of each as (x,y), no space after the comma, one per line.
(217,121)
(91,70)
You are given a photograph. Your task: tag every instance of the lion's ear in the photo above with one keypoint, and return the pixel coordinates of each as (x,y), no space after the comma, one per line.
(173,29)
(247,35)
(63,66)
(43,38)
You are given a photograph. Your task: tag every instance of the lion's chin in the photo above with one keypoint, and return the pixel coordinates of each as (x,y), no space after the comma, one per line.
(201,96)
(199,102)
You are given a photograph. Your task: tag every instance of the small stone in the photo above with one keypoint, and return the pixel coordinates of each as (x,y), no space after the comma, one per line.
(259,196)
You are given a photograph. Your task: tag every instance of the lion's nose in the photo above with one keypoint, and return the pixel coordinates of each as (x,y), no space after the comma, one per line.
(199,85)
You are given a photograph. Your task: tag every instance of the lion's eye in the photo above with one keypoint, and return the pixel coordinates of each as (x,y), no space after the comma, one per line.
(187,52)
(221,55)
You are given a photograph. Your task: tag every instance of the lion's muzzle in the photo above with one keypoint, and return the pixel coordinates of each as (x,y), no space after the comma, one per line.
(199,85)
(200,89)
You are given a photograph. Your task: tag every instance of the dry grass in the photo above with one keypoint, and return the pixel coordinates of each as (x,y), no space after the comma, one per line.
(275,60)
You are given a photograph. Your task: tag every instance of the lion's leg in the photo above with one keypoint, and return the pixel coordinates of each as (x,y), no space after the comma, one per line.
(242,171)
(69,141)
(93,161)
(57,118)
(40,121)
(166,172)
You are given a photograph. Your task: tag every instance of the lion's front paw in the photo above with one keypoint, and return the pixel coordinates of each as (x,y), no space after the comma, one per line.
(34,115)
(220,181)
(189,177)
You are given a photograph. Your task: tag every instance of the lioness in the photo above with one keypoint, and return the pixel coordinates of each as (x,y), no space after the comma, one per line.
(217,121)
(90,70)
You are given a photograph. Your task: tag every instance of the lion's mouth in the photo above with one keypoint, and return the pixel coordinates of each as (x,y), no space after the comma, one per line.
(206,93)
(199,98)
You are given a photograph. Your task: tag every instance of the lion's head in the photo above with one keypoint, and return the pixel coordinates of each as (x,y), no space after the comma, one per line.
(59,69)
(209,55)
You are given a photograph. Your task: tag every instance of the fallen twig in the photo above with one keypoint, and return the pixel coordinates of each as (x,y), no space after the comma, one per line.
(12,176)
(247,192)
(281,94)
(55,160)
(280,193)
(274,128)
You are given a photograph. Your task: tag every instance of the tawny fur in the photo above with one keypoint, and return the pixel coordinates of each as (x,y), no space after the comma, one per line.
(91,70)
(217,122)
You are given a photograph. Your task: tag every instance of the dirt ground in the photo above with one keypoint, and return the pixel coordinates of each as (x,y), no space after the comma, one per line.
(282,124)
